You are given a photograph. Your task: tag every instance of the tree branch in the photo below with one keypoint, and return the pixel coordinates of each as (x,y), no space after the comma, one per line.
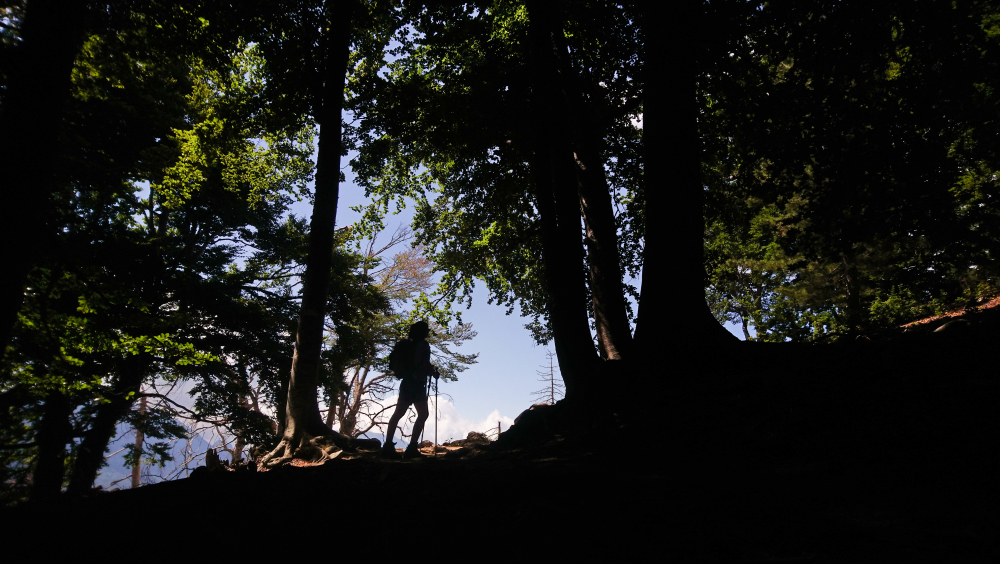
(17,446)
(193,415)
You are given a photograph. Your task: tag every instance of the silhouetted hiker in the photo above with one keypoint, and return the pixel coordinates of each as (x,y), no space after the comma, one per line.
(411,361)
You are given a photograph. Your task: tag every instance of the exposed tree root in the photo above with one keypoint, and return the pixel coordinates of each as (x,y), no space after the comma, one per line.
(314,448)
(307,446)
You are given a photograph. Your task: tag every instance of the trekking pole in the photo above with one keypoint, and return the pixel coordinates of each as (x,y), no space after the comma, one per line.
(435,416)
(427,393)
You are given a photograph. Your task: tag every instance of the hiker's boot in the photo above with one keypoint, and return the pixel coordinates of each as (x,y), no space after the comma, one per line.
(388,451)
(412,452)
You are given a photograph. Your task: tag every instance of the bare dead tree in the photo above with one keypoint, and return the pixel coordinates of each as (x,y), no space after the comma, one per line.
(139,438)
(400,277)
(553,390)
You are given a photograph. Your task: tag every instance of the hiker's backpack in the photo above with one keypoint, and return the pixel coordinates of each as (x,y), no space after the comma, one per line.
(401,359)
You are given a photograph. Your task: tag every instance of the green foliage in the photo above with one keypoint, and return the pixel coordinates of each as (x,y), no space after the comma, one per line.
(744,261)
(19,416)
(173,257)
(865,130)
(447,126)
(154,424)
(788,320)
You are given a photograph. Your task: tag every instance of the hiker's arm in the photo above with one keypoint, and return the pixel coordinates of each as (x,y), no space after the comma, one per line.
(424,365)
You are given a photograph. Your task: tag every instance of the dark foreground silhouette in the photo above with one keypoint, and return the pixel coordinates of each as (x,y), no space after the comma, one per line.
(877,451)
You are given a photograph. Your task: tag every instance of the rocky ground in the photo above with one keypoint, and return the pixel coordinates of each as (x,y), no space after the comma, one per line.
(876,451)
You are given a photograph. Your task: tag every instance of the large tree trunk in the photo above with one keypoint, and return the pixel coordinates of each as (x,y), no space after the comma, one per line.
(54,432)
(37,88)
(90,455)
(302,419)
(558,203)
(672,306)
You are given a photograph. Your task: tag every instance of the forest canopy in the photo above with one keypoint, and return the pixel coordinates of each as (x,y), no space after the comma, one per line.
(817,170)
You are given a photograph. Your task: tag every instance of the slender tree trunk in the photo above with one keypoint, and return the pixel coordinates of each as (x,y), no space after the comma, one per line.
(606,289)
(338,413)
(558,203)
(90,455)
(240,443)
(37,87)
(852,287)
(279,407)
(140,437)
(238,450)
(331,416)
(302,417)
(54,431)
(348,410)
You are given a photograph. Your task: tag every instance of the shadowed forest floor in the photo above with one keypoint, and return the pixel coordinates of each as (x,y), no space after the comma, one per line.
(876,451)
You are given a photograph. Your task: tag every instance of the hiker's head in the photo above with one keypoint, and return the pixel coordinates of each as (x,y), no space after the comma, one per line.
(419,330)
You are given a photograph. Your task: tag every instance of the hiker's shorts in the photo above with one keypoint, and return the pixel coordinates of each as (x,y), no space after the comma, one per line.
(411,390)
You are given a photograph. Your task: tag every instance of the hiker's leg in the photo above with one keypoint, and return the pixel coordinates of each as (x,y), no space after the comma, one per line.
(394,420)
(418,427)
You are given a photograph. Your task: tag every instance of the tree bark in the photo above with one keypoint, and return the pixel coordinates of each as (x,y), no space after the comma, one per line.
(672,306)
(140,438)
(32,111)
(557,197)
(302,419)
(54,432)
(606,290)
